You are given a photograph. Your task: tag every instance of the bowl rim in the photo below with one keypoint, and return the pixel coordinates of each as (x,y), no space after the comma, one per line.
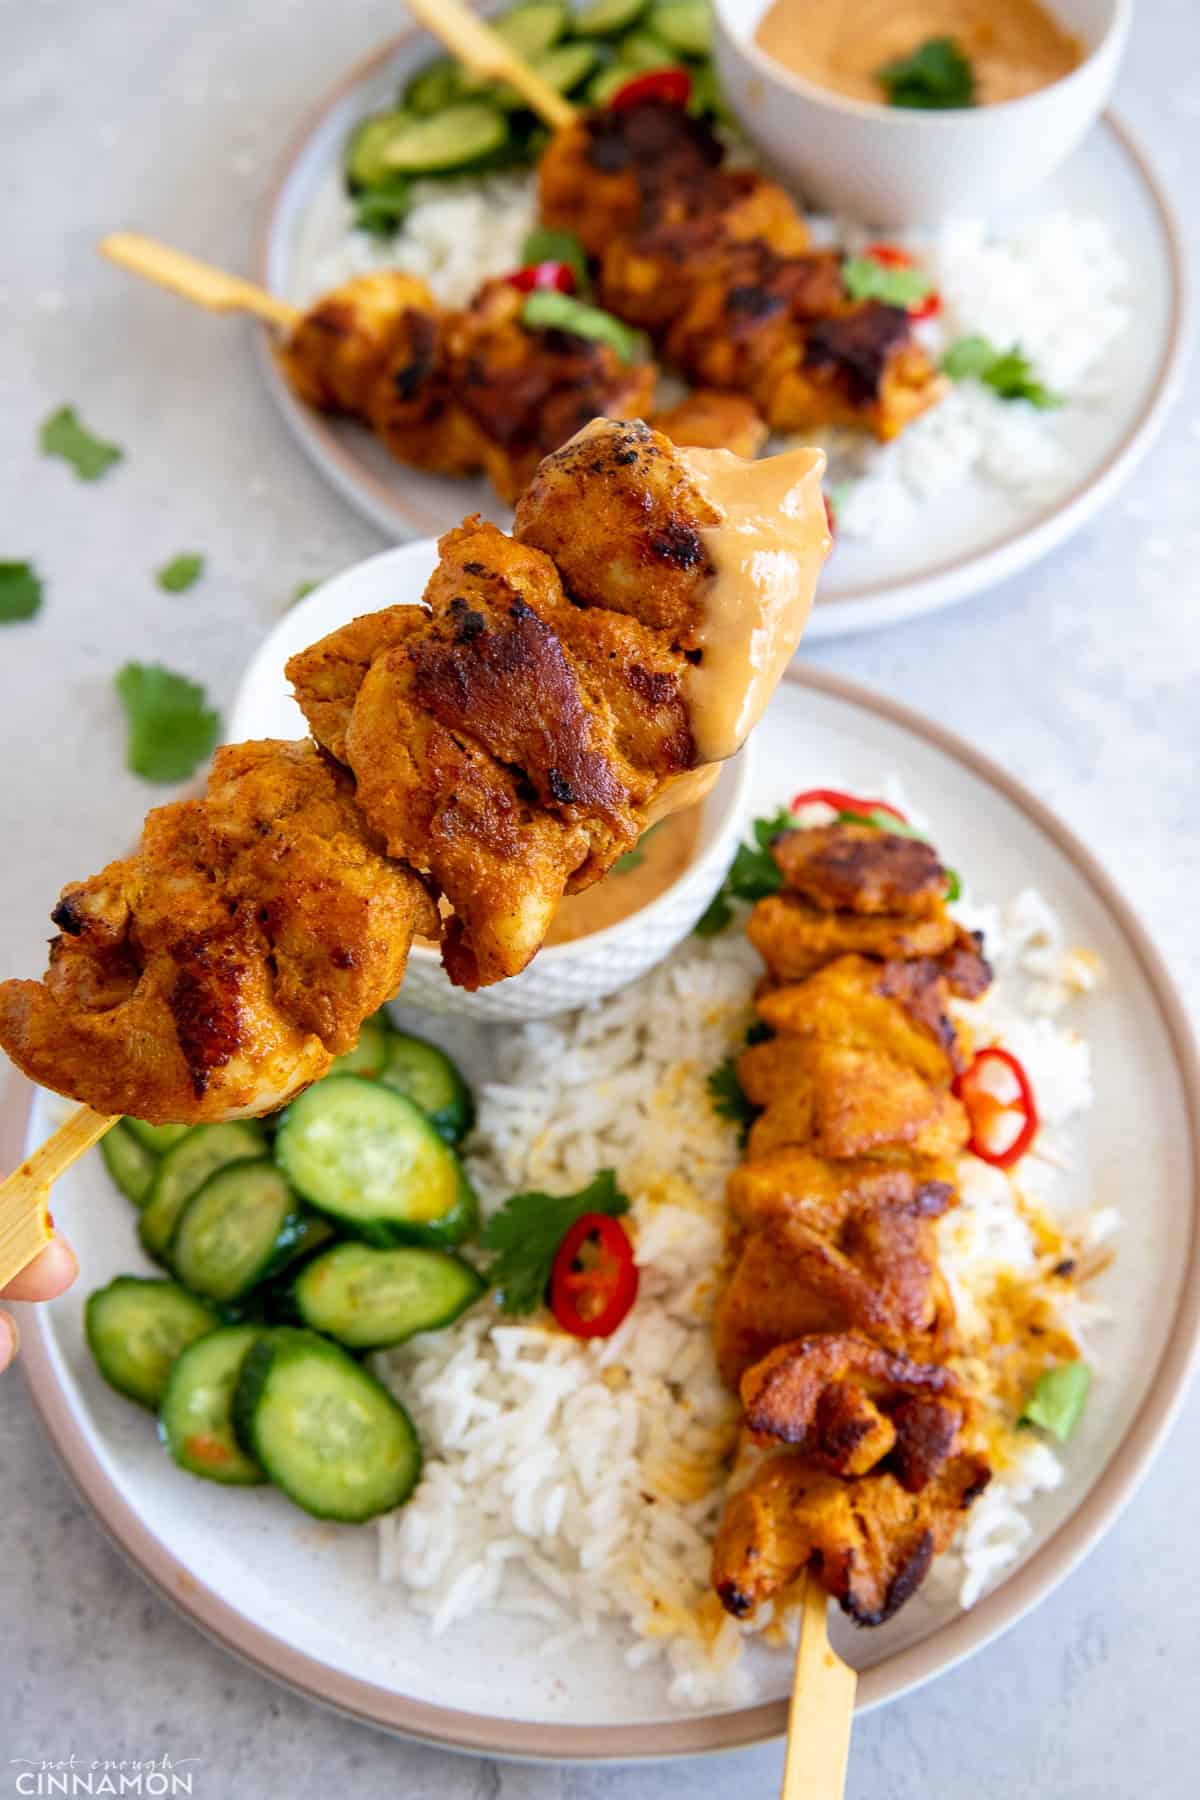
(906,118)
(431,956)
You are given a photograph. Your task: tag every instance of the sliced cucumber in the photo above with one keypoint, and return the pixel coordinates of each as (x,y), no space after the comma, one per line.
(130,1164)
(367,1298)
(137,1326)
(433,87)
(641,51)
(430,1080)
(235,1231)
(533,27)
(157,1137)
(363,157)
(369,1054)
(328,1434)
(564,68)
(686,25)
(607,18)
(185,1168)
(605,83)
(195,1420)
(369,1158)
(452,139)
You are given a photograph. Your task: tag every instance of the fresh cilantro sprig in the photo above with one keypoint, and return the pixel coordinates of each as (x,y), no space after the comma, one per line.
(171,728)
(1009,373)
(526,1233)
(866,279)
(181,573)
(935,77)
(381,211)
(63,434)
(726,1092)
(546,245)
(753,873)
(20,592)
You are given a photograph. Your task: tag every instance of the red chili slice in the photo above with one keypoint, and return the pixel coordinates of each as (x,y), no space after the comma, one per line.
(594,1280)
(891,256)
(1000,1105)
(841,802)
(672,86)
(556,277)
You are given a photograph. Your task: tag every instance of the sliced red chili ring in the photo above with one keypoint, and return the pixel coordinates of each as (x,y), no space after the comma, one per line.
(841,802)
(556,277)
(594,1279)
(672,86)
(998,1096)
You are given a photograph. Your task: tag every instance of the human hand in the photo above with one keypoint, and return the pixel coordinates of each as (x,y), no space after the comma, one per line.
(48,1275)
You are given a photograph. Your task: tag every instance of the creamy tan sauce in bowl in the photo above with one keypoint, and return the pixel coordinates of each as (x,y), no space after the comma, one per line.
(1014,47)
(660,858)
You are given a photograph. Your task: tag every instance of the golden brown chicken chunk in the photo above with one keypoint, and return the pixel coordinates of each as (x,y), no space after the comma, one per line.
(796,939)
(220,968)
(595,177)
(794,1184)
(844,1102)
(710,421)
(899,1008)
(856,868)
(336,354)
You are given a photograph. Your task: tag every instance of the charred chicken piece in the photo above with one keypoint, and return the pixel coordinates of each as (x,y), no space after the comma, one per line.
(899,1008)
(855,868)
(796,939)
(596,176)
(706,420)
(843,1102)
(337,353)
(794,1184)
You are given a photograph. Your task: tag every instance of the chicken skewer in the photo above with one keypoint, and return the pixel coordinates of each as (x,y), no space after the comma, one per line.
(498,745)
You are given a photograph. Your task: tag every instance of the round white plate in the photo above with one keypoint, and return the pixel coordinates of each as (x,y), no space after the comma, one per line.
(964,540)
(300,1600)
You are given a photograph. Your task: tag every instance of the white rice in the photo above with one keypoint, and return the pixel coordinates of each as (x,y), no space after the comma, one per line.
(581,1483)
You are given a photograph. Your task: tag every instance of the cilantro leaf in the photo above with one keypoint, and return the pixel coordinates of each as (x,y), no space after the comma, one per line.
(1058,1400)
(171,730)
(1009,373)
(20,592)
(633,859)
(64,435)
(546,245)
(182,572)
(866,279)
(550,311)
(381,211)
(715,917)
(936,76)
(728,1098)
(752,874)
(526,1233)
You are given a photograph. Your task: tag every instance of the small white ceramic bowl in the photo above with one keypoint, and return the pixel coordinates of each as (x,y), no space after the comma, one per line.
(565,975)
(894,167)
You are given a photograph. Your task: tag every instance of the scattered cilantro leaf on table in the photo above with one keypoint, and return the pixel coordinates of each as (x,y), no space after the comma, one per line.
(20,592)
(866,279)
(527,1231)
(182,572)
(63,434)
(301,591)
(1009,373)
(171,729)
(935,77)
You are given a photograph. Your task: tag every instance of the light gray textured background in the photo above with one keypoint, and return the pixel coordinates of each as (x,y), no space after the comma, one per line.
(1083,677)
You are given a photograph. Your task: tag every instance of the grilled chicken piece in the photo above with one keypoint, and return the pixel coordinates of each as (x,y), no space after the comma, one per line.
(711,421)
(338,351)
(794,1184)
(870,1542)
(875,1270)
(528,391)
(899,1008)
(413,407)
(219,969)
(597,174)
(849,1404)
(796,939)
(855,868)
(843,1102)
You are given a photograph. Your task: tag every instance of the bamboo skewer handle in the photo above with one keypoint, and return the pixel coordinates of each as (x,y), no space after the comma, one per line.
(822,1709)
(197,281)
(25,1227)
(487,55)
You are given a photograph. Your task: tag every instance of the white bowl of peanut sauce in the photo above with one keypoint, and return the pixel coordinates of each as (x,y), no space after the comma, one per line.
(848,102)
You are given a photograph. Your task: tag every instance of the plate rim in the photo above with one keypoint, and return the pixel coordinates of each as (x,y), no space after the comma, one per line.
(860,608)
(453,1729)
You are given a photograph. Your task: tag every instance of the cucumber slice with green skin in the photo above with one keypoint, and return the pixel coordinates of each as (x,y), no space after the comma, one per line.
(369,1054)
(195,1420)
(130,1164)
(532,28)
(137,1326)
(185,1168)
(237,1230)
(363,157)
(158,1138)
(327,1433)
(368,1299)
(686,25)
(604,85)
(564,68)
(607,18)
(641,51)
(434,87)
(430,1080)
(370,1159)
(449,140)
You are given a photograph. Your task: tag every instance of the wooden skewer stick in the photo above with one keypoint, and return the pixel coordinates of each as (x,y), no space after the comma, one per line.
(25,1228)
(197,281)
(487,55)
(822,1709)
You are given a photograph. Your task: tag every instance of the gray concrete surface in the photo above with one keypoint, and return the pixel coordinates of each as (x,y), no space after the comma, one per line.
(1082,677)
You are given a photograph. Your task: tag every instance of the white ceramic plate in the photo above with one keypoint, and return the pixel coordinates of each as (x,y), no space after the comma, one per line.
(299,1599)
(966,540)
